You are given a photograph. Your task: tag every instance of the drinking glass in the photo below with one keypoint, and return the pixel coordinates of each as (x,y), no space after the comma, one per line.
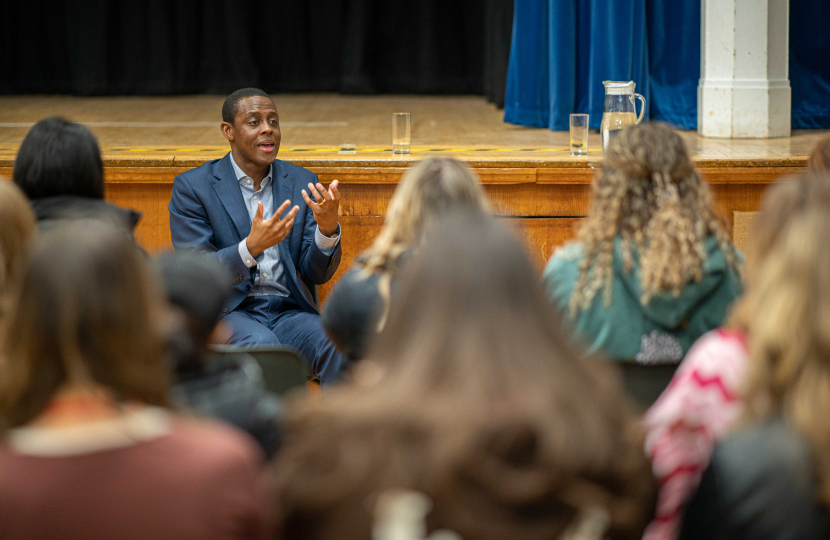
(400,132)
(579,134)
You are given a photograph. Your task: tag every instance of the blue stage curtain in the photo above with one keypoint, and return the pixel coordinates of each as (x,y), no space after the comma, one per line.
(562,51)
(809,65)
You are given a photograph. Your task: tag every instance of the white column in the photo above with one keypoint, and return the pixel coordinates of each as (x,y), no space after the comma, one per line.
(744,89)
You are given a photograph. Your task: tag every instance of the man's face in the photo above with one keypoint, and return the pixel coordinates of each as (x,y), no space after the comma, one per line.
(255,133)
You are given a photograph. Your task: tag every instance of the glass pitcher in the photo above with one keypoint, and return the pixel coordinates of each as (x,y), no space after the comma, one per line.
(619,109)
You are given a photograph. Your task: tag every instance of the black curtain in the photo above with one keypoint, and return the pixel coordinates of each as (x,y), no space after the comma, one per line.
(156,47)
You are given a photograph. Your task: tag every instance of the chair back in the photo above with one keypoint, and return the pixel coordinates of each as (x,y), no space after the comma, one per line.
(283,368)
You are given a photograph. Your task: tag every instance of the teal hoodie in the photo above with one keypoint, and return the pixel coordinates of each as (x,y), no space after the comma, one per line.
(659,332)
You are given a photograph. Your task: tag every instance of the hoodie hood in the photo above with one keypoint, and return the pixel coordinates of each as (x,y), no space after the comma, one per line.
(665,309)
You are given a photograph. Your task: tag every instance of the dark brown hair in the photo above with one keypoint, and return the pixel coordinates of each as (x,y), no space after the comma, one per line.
(84,314)
(473,395)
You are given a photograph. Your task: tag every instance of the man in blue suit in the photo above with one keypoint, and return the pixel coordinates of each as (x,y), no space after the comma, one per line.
(237,210)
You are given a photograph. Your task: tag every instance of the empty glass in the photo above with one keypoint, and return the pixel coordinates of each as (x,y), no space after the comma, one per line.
(400,132)
(579,134)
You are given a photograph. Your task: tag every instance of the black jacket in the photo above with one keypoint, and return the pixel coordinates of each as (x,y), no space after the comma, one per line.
(232,389)
(351,313)
(59,207)
(761,484)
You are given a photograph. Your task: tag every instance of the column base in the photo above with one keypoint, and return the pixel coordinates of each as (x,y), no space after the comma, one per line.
(744,109)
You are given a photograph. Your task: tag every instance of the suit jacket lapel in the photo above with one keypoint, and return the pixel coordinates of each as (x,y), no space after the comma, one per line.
(229,193)
(280,188)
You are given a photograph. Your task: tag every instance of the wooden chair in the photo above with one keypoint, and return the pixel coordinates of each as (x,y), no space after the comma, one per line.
(283,368)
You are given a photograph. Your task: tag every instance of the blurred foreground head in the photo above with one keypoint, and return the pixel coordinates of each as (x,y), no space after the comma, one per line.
(198,287)
(85,315)
(788,324)
(473,396)
(17,230)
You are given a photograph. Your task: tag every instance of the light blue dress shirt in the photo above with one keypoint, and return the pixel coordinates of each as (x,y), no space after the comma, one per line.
(269,276)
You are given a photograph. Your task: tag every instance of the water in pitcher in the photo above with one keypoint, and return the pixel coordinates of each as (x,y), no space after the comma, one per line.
(613,122)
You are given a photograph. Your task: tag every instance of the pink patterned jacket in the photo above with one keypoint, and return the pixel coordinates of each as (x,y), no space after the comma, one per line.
(700,404)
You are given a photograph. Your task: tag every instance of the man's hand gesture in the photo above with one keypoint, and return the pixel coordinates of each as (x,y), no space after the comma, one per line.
(325,206)
(269,232)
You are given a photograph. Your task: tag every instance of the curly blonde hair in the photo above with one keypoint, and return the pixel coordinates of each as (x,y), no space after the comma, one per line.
(650,195)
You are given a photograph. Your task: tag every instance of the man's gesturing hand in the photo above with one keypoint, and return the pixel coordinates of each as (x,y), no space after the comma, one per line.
(270,232)
(324,205)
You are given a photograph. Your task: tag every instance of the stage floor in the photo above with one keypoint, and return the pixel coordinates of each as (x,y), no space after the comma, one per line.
(186,130)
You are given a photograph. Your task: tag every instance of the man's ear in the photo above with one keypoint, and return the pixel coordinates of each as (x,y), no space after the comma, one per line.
(227,130)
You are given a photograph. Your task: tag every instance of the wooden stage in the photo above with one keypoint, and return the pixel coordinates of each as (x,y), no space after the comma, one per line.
(528,173)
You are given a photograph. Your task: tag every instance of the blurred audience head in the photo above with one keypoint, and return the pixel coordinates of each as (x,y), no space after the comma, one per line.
(427,191)
(197,288)
(819,160)
(473,395)
(59,157)
(781,202)
(650,196)
(17,231)
(86,315)
(789,331)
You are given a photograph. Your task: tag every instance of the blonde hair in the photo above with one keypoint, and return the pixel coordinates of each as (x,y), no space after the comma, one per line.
(650,195)
(18,229)
(426,192)
(789,336)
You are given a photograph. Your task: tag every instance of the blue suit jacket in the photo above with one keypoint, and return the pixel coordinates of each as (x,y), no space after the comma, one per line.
(207,213)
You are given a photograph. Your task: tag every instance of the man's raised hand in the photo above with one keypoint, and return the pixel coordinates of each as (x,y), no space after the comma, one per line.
(269,232)
(324,206)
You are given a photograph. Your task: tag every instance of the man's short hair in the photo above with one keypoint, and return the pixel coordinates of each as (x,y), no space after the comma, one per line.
(231,105)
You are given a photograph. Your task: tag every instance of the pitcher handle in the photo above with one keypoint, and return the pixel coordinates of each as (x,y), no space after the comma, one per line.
(642,107)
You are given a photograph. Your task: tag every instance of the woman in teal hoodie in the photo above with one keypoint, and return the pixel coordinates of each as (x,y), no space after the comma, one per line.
(652,268)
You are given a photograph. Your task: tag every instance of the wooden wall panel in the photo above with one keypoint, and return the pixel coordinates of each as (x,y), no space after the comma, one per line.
(153,231)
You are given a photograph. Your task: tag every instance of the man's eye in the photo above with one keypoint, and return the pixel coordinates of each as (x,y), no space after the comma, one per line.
(254,122)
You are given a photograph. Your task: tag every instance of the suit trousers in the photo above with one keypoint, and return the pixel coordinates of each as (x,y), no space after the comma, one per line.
(278,320)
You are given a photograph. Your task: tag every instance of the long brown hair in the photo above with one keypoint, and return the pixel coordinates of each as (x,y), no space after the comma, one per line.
(83,315)
(473,395)
(426,192)
(650,195)
(18,229)
(789,336)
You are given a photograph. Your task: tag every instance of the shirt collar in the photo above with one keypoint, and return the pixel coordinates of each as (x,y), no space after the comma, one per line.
(241,176)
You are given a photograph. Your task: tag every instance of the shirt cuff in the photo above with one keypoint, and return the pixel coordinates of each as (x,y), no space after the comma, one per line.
(326,244)
(247,259)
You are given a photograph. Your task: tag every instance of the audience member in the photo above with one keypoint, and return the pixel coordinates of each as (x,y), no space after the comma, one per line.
(231,388)
(88,449)
(652,268)
(771,479)
(472,396)
(17,230)
(238,210)
(703,400)
(819,160)
(357,307)
(59,169)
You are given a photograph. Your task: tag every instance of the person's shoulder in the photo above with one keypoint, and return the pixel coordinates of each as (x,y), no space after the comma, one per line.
(210,443)
(293,171)
(563,266)
(766,452)
(205,170)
